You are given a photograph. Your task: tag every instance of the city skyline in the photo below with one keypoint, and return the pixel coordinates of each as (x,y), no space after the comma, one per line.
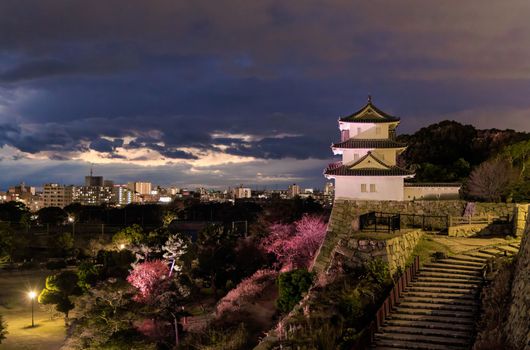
(194,95)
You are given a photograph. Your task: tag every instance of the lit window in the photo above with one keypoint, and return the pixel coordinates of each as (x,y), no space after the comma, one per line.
(372,187)
(363,188)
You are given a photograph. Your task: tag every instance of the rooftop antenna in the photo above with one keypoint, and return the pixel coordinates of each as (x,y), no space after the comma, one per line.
(91,166)
(369,98)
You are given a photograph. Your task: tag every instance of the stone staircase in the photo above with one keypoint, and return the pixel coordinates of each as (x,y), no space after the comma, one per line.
(440,307)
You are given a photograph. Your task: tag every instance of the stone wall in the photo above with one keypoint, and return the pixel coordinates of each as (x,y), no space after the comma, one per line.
(344,212)
(395,251)
(518,327)
(479,230)
(520,218)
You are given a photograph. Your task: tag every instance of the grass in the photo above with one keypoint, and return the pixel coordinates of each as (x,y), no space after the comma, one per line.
(378,236)
(426,247)
(16,310)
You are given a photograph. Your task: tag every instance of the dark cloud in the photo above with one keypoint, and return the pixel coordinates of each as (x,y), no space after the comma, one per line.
(75,74)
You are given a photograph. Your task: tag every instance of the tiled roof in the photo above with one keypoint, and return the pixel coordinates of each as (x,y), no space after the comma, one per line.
(339,169)
(347,171)
(369,114)
(377,143)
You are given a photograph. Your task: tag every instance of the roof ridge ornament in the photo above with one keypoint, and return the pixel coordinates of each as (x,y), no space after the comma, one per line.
(369,98)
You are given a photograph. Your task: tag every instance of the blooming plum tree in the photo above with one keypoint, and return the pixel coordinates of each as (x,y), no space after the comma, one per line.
(148,277)
(295,245)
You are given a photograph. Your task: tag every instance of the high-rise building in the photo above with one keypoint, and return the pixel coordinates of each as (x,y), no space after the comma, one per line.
(55,195)
(96,181)
(93,195)
(141,188)
(329,189)
(294,190)
(122,195)
(242,192)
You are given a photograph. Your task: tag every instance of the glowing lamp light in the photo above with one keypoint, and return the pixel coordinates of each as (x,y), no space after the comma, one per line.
(32,295)
(70,219)
(121,246)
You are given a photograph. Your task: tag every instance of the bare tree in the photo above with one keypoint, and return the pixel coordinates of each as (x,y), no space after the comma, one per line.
(490,180)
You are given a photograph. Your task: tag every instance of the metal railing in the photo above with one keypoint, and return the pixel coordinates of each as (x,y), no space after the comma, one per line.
(379,222)
(392,300)
(475,220)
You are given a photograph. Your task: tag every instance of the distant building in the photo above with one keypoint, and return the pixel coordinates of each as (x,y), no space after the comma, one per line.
(55,195)
(96,181)
(329,189)
(93,195)
(294,190)
(122,195)
(242,192)
(20,193)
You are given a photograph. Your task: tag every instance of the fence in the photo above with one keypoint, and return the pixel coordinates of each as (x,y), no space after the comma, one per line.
(477,220)
(390,222)
(379,222)
(388,305)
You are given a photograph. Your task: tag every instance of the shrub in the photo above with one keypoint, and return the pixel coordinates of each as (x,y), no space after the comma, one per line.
(377,271)
(292,285)
(3,331)
(248,290)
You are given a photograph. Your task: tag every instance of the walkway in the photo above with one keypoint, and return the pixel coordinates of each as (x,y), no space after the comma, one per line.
(439,309)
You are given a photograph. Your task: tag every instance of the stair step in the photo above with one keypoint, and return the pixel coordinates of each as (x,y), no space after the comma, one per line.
(479,255)
(392,344)
(454,267)
(508,250)
(427,331)
(449,301)
(491,252)
(433,319)
(468,258)
(453,276)
(448,313)
(434,295)
(449,326)
(452,271)
(448,280)
(470,291)
(415,338)
(437,306)
(452,285)
(461,263)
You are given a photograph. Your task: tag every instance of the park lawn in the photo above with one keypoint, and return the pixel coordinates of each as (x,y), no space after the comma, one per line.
(16,310)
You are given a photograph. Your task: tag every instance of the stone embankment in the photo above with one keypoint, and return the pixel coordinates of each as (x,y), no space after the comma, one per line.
(518,327)
(395,251)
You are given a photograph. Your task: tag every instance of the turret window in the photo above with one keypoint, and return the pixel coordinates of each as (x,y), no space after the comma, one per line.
(372,188)
(363,188)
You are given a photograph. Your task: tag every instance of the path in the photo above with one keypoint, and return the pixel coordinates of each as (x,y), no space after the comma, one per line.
(438,311)
(16,310)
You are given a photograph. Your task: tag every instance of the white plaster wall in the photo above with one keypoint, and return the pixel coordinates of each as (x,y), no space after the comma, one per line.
(367,130)
(434,192)
(387,187)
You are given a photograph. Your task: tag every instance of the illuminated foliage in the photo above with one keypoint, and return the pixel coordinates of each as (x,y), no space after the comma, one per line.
(295,245)
(148,278)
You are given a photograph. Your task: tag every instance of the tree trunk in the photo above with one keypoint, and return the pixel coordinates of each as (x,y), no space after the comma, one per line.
(176,324)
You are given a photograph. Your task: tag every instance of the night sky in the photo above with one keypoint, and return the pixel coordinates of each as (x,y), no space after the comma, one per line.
(218,93)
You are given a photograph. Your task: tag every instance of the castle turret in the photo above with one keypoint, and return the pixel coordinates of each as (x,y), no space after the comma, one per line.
(368,170)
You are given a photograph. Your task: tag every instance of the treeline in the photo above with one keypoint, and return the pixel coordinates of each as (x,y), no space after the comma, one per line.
(492,164)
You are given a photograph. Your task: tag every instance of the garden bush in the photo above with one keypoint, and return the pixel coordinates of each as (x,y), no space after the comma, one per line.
(291,286)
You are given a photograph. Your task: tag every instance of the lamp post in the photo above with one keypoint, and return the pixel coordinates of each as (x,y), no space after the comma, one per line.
(32,296)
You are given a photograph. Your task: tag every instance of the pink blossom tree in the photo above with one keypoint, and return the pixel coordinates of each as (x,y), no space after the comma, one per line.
(295,245)
(246,291)
(148,277)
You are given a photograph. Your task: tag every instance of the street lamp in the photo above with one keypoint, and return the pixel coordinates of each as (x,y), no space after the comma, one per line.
(32,296)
